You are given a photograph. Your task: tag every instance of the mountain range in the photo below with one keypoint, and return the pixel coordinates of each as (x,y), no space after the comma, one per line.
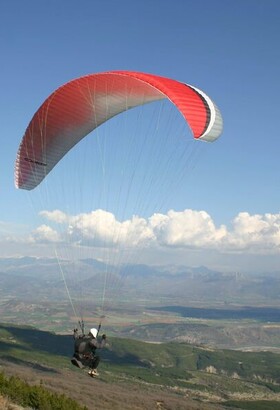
(178,284)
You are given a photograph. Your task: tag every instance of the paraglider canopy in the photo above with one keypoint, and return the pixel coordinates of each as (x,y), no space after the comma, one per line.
(78,107)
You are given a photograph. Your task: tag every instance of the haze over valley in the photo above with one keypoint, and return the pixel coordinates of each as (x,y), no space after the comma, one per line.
(149,303)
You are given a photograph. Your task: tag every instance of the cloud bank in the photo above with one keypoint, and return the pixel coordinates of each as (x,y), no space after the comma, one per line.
(188,229)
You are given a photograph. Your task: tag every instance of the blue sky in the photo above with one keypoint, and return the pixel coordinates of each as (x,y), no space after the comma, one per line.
(230,49)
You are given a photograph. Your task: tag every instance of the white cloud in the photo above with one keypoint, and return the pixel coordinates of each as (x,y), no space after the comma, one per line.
(55,216)
(44,234)
(196,229)
(101,228)
(188,229)
(254,233)
(94,228)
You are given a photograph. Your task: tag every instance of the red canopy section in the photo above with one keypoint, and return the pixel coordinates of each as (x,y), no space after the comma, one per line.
(78,107)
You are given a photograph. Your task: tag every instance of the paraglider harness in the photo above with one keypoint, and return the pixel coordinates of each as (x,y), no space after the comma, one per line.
(83,359)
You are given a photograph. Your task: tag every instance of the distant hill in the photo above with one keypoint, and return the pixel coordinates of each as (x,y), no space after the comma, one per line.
(140,281)
(137,374)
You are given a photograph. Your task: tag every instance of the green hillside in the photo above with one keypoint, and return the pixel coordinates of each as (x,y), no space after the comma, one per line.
(233,378)
(35,397)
